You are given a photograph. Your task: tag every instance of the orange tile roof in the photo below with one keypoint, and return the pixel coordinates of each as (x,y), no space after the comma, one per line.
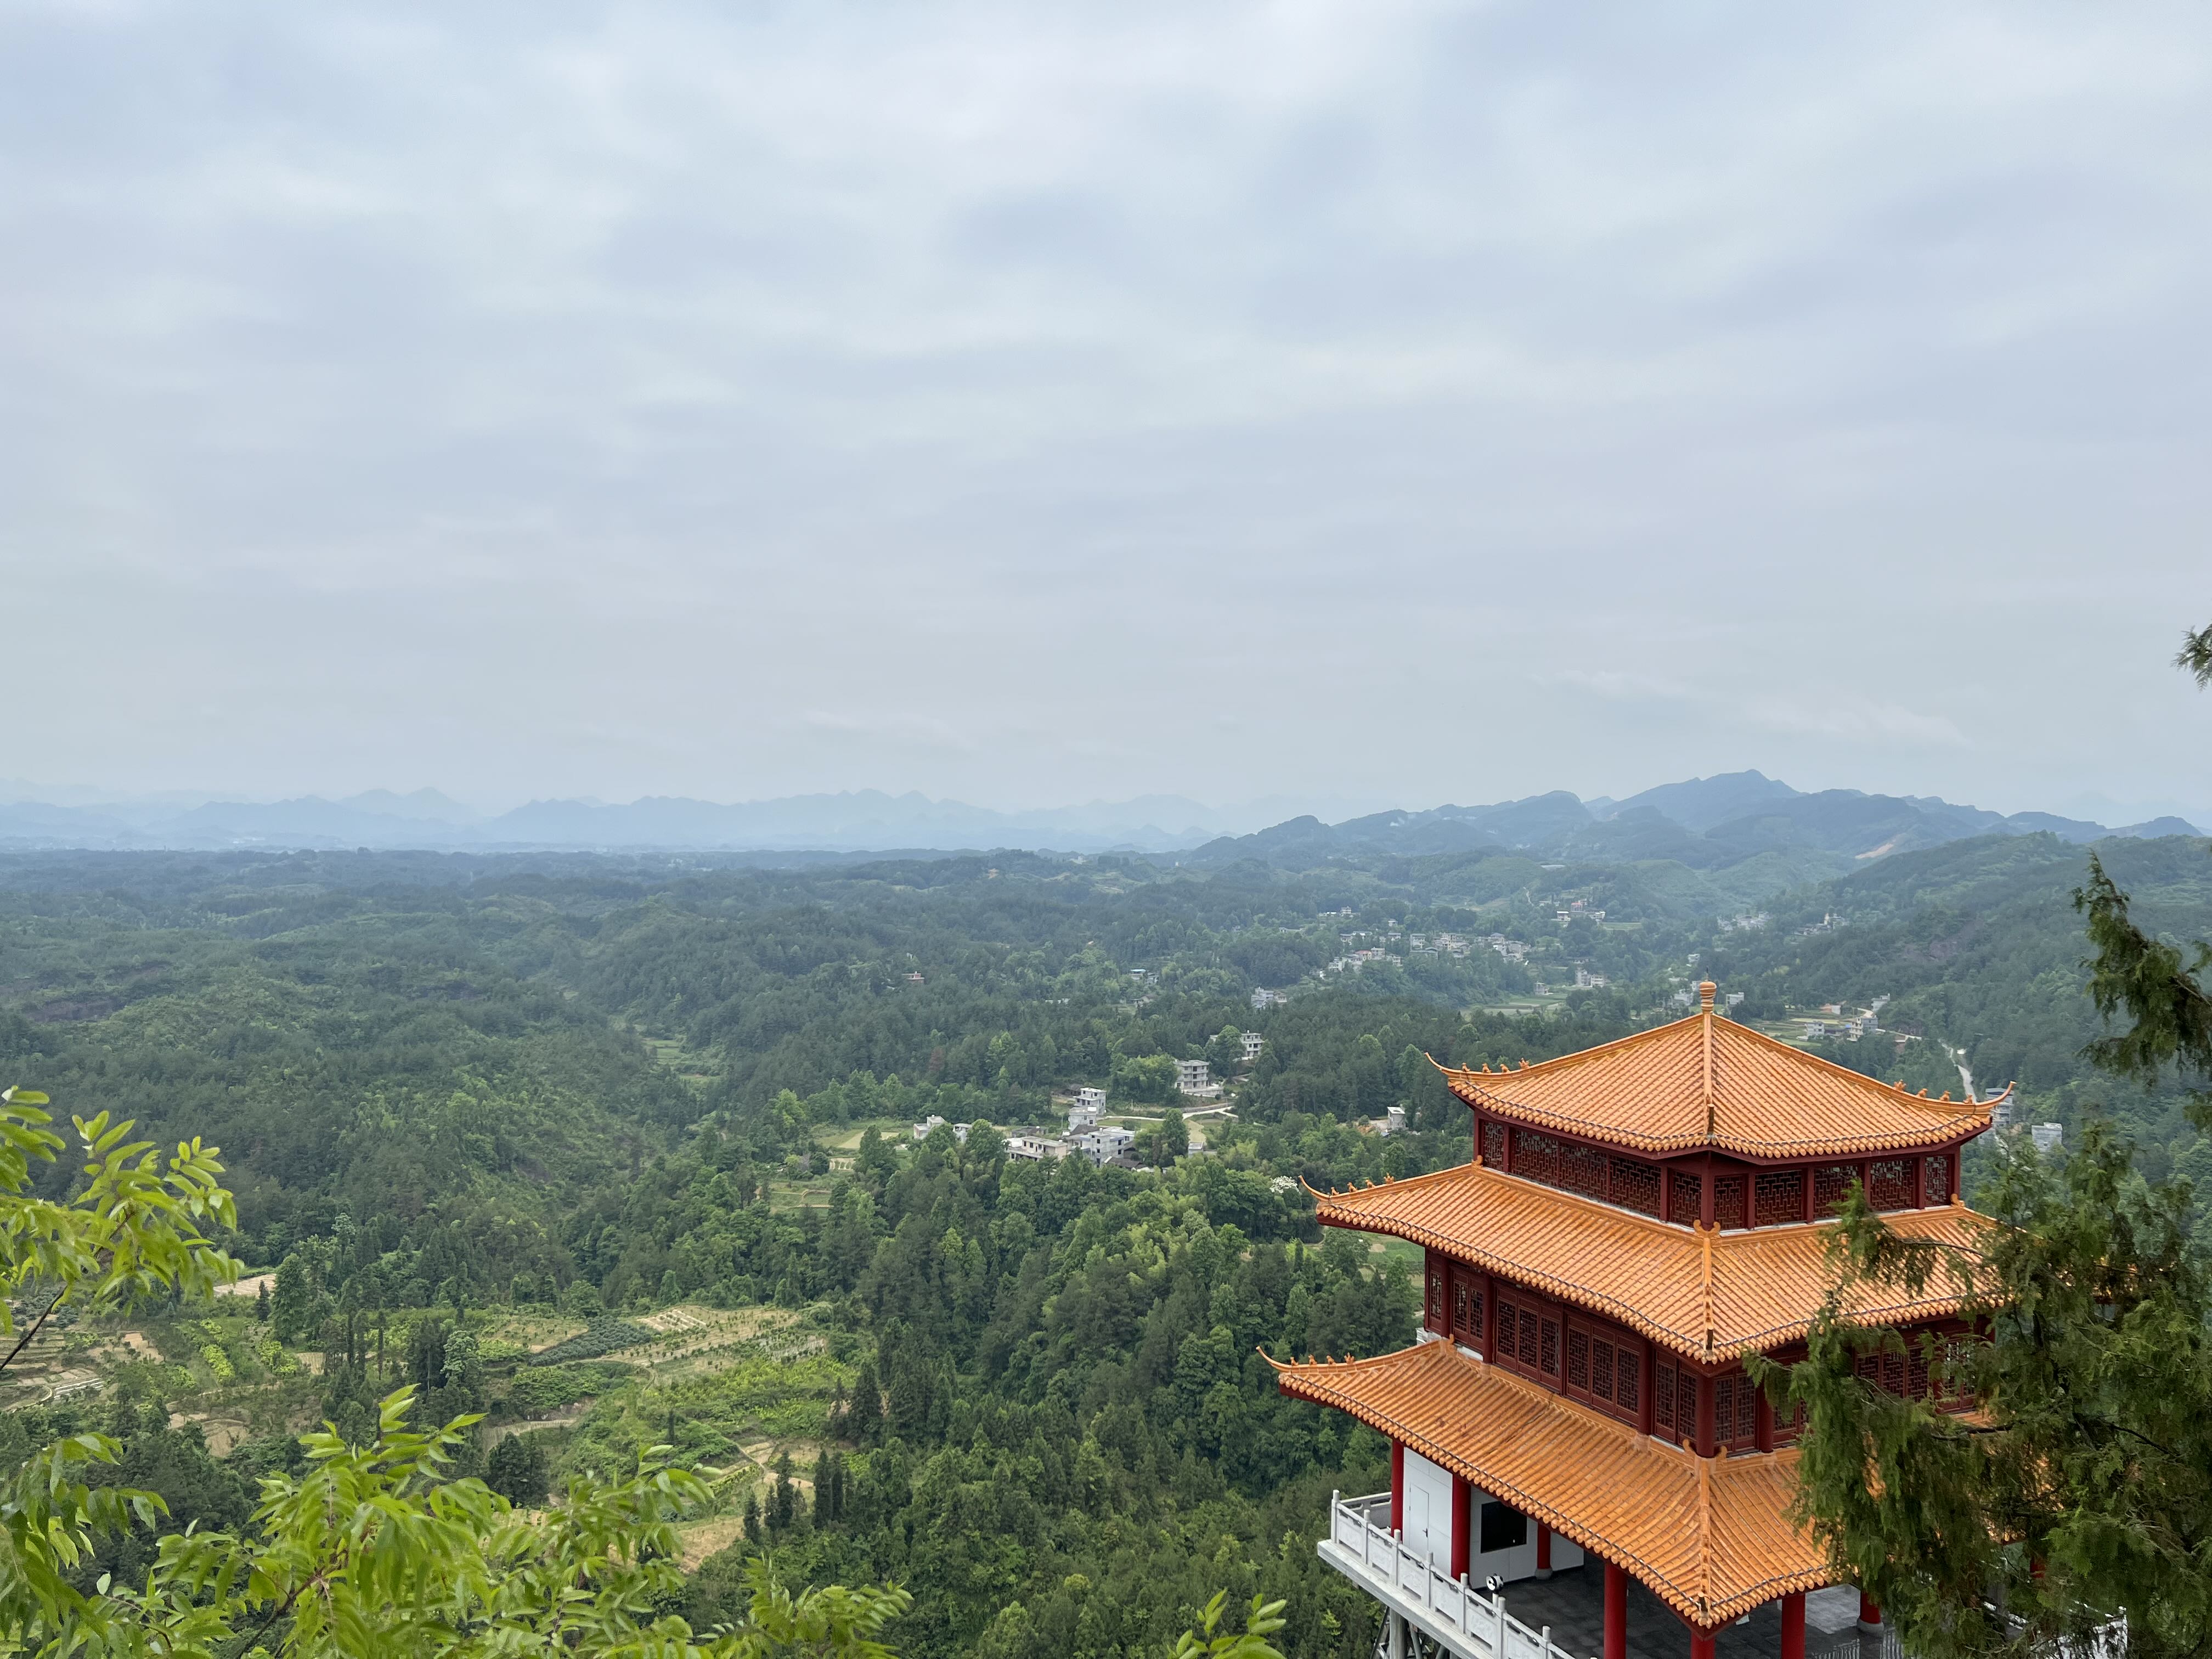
(1709,1295)
(1706,1082)
(1712,1537)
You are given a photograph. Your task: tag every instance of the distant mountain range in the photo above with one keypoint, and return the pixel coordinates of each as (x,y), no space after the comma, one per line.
(1703,823)
(863,820)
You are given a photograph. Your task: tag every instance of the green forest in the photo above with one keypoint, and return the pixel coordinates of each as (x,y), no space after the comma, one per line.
(619,1152)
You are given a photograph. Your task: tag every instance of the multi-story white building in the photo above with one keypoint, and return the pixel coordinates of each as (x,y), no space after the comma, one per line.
(1104,1142)
(1195,1077)
(1254,1041)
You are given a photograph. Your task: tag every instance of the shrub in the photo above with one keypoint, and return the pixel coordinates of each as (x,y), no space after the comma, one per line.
(602,1336)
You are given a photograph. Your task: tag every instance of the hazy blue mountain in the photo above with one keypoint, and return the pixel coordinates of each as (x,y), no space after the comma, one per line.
(429,805)
(309,820)
(1534,821)
(1701,824)
(1698,804)
(860,819)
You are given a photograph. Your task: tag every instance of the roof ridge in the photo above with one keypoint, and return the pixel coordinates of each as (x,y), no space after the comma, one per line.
(1707,1235)
(1561,1060)
(1522,1183)
(1705,1532)
(1806,1056)
(1377,1186)
(1712,1101)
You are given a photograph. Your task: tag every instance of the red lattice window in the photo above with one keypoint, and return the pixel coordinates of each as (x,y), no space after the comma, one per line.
(1916,1368)
(1578,1359)
(1601,1355)
(1831,1183)
(1494,1143)
(1435,1319)
(1889,1183)
(1884,1371)
(1735,1410)
(1662,1399)
(1936,1176)
(1682,1207)
(1582,1169)
(1624,1380)
(1467,1310)
(1778,1197)
(1547,1355)
(1517,1336)
(1636,1186)
(1727,1201)
(1536,1156)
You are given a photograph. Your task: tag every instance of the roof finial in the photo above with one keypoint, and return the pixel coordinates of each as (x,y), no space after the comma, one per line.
(1705,989)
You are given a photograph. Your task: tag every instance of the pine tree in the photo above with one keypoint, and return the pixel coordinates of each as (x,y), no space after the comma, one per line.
(865,1414)
(752,1517)
(261,1303)
(293,1309)
(783,1502)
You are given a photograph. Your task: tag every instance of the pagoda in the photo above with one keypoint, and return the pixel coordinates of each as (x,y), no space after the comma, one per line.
(1636,1220)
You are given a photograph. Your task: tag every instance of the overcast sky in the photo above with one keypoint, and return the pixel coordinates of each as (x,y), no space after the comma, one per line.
(1363,403)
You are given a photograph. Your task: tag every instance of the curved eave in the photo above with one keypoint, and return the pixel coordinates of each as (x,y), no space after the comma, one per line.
(1308,1380)
(1962,1127)
(1706,1346)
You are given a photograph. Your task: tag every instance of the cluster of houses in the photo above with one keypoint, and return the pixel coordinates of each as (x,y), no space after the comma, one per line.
(1850,1028)
(1356,960)
(1102,1143)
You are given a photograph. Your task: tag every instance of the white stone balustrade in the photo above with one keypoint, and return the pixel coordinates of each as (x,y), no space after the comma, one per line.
(1452,1614)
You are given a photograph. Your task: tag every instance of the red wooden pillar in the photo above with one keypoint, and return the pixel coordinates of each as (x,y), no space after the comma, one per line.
(1870,1614)
(1543,1551)
(1462,1548)
(1793,1627)
(1701,1644)
(1398,1487)
(1616,1613)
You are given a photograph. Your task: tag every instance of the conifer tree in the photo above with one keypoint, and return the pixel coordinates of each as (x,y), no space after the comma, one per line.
(783,1502)
(2079,1493)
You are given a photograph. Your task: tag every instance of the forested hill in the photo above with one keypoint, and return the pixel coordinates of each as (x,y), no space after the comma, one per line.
(1979,947)
(617,1150)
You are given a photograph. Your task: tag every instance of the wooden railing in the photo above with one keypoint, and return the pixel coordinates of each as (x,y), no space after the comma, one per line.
(1408,1582)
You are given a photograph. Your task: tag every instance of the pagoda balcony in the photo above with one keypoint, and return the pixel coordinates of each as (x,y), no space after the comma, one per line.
(1426,1611)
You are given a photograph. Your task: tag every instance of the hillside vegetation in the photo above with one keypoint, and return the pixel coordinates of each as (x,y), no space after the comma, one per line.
(616,1151)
